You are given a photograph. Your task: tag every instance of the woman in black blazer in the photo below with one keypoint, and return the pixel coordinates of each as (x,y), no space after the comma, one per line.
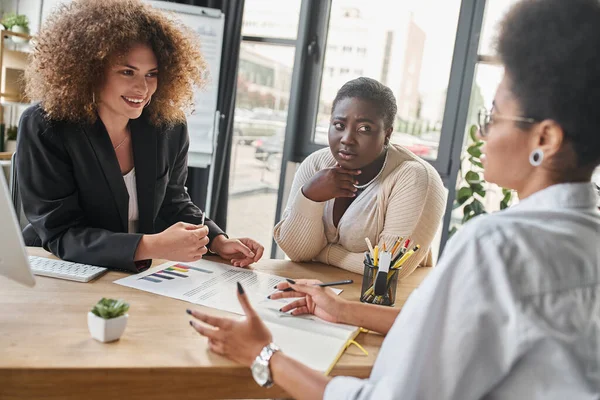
(102,159)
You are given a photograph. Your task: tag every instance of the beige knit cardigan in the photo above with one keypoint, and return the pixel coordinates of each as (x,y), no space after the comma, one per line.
(408,199)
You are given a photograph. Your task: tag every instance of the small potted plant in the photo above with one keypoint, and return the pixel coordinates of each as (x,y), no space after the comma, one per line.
(108,319)
(11,139)
(17,23)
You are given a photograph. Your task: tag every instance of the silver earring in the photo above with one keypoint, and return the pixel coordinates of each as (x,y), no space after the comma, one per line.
(148,103)
(386,145)
(536,157)
(93,98)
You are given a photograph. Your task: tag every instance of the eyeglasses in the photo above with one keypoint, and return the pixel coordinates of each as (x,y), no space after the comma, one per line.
(486,118)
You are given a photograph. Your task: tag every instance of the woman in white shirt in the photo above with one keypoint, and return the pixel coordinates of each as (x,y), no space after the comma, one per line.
(512,310)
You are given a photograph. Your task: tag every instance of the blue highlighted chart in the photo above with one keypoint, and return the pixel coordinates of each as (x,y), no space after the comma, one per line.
(177,271)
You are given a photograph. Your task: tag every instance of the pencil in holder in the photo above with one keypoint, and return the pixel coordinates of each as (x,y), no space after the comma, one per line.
(368,295)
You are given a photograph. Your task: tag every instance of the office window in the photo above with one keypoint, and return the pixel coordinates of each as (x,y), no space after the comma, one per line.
(488,74)
(409,48)
(271,19)
(263,90)
(494,12)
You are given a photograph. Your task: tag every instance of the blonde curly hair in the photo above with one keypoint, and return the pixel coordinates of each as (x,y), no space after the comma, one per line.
(75,46)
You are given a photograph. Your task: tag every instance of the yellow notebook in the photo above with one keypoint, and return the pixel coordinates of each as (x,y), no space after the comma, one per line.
(308,339)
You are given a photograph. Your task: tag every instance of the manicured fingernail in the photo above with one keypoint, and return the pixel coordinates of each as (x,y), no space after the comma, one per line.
(188,311)
(240,288)
(191,323)
(353,194)
(281,309)
(291,281)
(269,296)
(275,287)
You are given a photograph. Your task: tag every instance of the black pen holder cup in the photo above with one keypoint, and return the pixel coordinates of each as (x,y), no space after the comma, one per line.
(367,292)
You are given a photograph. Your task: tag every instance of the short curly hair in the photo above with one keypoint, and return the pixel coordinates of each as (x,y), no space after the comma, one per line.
(373,91)
(77,43)
(550,51)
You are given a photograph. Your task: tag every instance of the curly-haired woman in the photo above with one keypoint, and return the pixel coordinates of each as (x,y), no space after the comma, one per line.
(102,159)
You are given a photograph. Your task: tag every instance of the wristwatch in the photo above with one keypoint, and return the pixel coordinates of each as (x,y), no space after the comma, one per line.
(260,367)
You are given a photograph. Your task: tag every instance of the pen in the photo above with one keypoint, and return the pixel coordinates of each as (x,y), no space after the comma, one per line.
(402,251)
(405,257)
(337,283)
(370,246)
(203,216)
(396,245)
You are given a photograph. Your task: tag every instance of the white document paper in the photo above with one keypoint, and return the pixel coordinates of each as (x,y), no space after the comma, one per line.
(209,284)
(308,339)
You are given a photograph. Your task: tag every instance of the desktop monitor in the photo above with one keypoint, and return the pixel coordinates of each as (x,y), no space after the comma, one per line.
(14,263)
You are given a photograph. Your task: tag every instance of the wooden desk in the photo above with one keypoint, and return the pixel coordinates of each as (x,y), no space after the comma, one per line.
(46,351)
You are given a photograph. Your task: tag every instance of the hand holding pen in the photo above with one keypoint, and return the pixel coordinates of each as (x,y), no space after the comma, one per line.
(319,301)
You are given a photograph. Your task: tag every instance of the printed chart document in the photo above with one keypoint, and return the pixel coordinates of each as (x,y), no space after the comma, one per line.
(308,339)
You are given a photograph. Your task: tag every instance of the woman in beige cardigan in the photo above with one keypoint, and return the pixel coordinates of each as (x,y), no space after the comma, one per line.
(361,187)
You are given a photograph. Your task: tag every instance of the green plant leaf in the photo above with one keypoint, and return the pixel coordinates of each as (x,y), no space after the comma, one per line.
(507,197)
(452,231)
(474,161)
(503,205)
(463,194)
(459,202)
(478,188)
(474,151)
(467,213)
(473,133)
(472,177)
(477,207)
(506,191)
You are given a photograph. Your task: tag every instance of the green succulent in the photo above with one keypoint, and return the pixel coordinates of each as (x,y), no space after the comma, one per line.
(110,308)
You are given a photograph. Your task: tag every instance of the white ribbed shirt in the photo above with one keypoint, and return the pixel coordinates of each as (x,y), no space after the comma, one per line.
(407,199)
(133,213)
(512,311)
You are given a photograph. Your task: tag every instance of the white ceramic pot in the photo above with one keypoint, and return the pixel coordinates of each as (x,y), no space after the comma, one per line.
(106,330)
(11,146)
(19,29)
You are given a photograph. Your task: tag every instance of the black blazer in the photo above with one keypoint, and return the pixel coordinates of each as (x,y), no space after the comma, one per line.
(74,195)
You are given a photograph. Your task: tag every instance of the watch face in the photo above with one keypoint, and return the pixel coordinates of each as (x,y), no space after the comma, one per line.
(260,372)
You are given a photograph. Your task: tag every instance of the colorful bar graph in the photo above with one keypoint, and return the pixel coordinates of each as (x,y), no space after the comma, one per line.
(147,278)
(170,270)
(194,268)
(173,272)
(163,276)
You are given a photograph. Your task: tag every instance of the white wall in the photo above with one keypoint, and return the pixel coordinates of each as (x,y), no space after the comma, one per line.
(8,6)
